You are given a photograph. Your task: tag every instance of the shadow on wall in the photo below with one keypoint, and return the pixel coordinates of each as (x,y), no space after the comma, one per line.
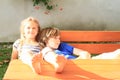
(9,38)
(82,26)
(87,26)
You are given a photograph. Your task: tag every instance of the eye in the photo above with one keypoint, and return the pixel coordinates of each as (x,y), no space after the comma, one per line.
(28,27)
(33,28)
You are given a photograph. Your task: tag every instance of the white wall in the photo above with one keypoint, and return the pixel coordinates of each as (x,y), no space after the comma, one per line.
(75,14)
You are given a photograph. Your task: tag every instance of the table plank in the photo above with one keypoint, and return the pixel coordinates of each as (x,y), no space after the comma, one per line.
(74,70)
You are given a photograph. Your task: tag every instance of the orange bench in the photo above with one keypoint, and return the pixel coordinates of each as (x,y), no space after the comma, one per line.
(95,42)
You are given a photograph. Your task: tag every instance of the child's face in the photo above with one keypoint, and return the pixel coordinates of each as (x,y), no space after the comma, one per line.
(30,30)
(53,42)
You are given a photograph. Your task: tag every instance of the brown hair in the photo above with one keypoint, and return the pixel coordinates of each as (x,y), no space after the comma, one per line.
(47,33)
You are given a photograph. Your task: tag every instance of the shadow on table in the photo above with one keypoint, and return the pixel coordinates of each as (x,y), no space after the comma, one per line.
(74,72)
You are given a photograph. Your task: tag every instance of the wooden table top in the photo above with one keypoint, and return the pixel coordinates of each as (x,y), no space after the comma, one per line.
(87,69)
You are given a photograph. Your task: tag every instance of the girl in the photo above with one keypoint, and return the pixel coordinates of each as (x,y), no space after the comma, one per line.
(27,46)
(50,37)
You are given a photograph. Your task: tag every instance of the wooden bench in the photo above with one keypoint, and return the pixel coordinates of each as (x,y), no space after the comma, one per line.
(95,42)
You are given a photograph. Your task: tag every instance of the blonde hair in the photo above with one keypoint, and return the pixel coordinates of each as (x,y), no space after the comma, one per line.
(47,33)
(23,23)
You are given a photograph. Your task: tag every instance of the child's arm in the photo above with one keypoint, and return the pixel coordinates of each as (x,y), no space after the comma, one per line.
(14,54)
(81,53)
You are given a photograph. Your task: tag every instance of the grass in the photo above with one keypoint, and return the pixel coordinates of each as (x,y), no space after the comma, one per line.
(5,53)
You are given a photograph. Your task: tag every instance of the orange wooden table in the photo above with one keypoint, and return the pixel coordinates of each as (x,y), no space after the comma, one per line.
(74,70)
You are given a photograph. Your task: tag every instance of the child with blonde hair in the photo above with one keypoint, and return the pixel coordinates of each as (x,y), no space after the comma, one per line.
(27,47)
